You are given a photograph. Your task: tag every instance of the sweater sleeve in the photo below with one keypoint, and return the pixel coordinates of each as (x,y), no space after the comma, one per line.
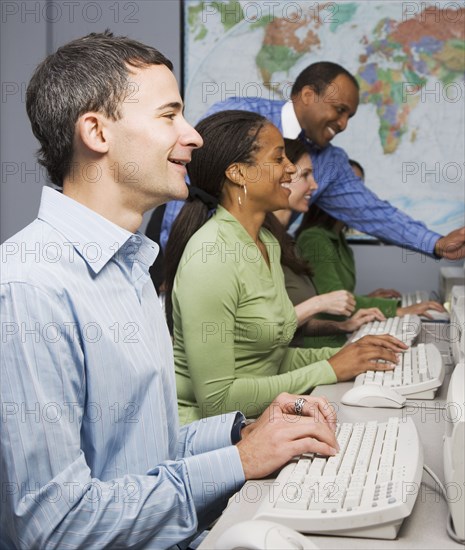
(319,251)
(387,306)
(206,298)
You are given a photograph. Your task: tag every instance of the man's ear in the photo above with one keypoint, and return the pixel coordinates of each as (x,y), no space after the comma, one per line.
(235,173)
(308,95)
(92,131)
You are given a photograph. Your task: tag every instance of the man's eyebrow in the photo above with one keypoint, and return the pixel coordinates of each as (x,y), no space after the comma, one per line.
(172,105)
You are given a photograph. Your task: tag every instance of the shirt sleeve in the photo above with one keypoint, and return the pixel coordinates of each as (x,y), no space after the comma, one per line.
(50,496)
(204,294)
(347,198)
(207,434)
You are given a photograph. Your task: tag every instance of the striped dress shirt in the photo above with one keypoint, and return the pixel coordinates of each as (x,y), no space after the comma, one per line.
(91,452)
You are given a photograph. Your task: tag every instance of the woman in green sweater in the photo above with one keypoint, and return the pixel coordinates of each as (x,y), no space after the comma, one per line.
(322,243)
(232,318)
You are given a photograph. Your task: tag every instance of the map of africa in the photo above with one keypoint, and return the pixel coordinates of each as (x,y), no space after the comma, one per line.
(408,57)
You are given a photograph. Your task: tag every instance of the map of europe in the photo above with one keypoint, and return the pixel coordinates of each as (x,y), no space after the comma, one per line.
(409,60)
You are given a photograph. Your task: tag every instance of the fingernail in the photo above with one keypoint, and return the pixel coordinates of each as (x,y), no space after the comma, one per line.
(333,450)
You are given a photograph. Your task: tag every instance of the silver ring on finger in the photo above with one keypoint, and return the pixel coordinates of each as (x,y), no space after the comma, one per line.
(299,405)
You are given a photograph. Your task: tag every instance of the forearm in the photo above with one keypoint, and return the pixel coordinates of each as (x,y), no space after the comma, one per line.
(348,199)
(253,394)
(76,510)
(205,435)
(323,327)
(305,310)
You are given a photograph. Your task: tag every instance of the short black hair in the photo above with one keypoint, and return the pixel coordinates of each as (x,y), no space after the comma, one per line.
(87,74)
(319,75)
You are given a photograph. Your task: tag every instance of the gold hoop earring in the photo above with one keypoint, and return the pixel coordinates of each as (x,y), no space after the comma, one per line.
(244,188)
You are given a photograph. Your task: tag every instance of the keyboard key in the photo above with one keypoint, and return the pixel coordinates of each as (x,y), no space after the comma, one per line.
(419,374)
(348,494)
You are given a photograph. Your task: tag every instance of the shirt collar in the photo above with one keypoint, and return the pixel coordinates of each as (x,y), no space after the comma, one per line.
(291,126)
(222,214)
(95,238)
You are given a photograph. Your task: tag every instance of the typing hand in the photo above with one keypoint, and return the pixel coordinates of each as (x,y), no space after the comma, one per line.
(420,309)
(363,355)
(279,434)
(361,317)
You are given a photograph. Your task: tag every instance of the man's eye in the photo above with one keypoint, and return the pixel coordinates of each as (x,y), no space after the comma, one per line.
(170,115)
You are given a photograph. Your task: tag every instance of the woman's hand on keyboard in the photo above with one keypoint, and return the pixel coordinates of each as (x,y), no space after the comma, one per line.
(420,309)
(279,434)
(364,355)
(361,317)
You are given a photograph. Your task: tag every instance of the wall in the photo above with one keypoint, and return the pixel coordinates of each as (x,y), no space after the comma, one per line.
(393,267)
(32,28)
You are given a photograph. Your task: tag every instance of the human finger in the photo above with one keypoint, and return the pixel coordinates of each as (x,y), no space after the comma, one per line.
(305,405)
(322,409)
(372,312)
(302,427)
(312,445)
(435,305)
(383,340)
(381,358)
(379,315)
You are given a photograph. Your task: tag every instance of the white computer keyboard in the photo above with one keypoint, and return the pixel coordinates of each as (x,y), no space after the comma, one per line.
(366,490)
(405,328)
(419,375)
(412,298)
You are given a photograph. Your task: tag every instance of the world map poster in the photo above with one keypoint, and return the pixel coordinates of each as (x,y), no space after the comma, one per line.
(409,60)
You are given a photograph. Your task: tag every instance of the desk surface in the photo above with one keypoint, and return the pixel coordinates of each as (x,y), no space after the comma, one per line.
(426,526)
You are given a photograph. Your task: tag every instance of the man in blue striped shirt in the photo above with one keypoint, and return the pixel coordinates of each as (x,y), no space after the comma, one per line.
(323,99)
(92,455)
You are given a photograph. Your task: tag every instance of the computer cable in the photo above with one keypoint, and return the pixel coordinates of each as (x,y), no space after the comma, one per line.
(450,525)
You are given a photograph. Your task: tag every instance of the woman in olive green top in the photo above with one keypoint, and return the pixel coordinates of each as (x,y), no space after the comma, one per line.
(322,243)
(232,318)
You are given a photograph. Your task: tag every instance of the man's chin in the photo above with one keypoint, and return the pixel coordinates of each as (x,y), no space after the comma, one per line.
(184,192)
(178,192)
